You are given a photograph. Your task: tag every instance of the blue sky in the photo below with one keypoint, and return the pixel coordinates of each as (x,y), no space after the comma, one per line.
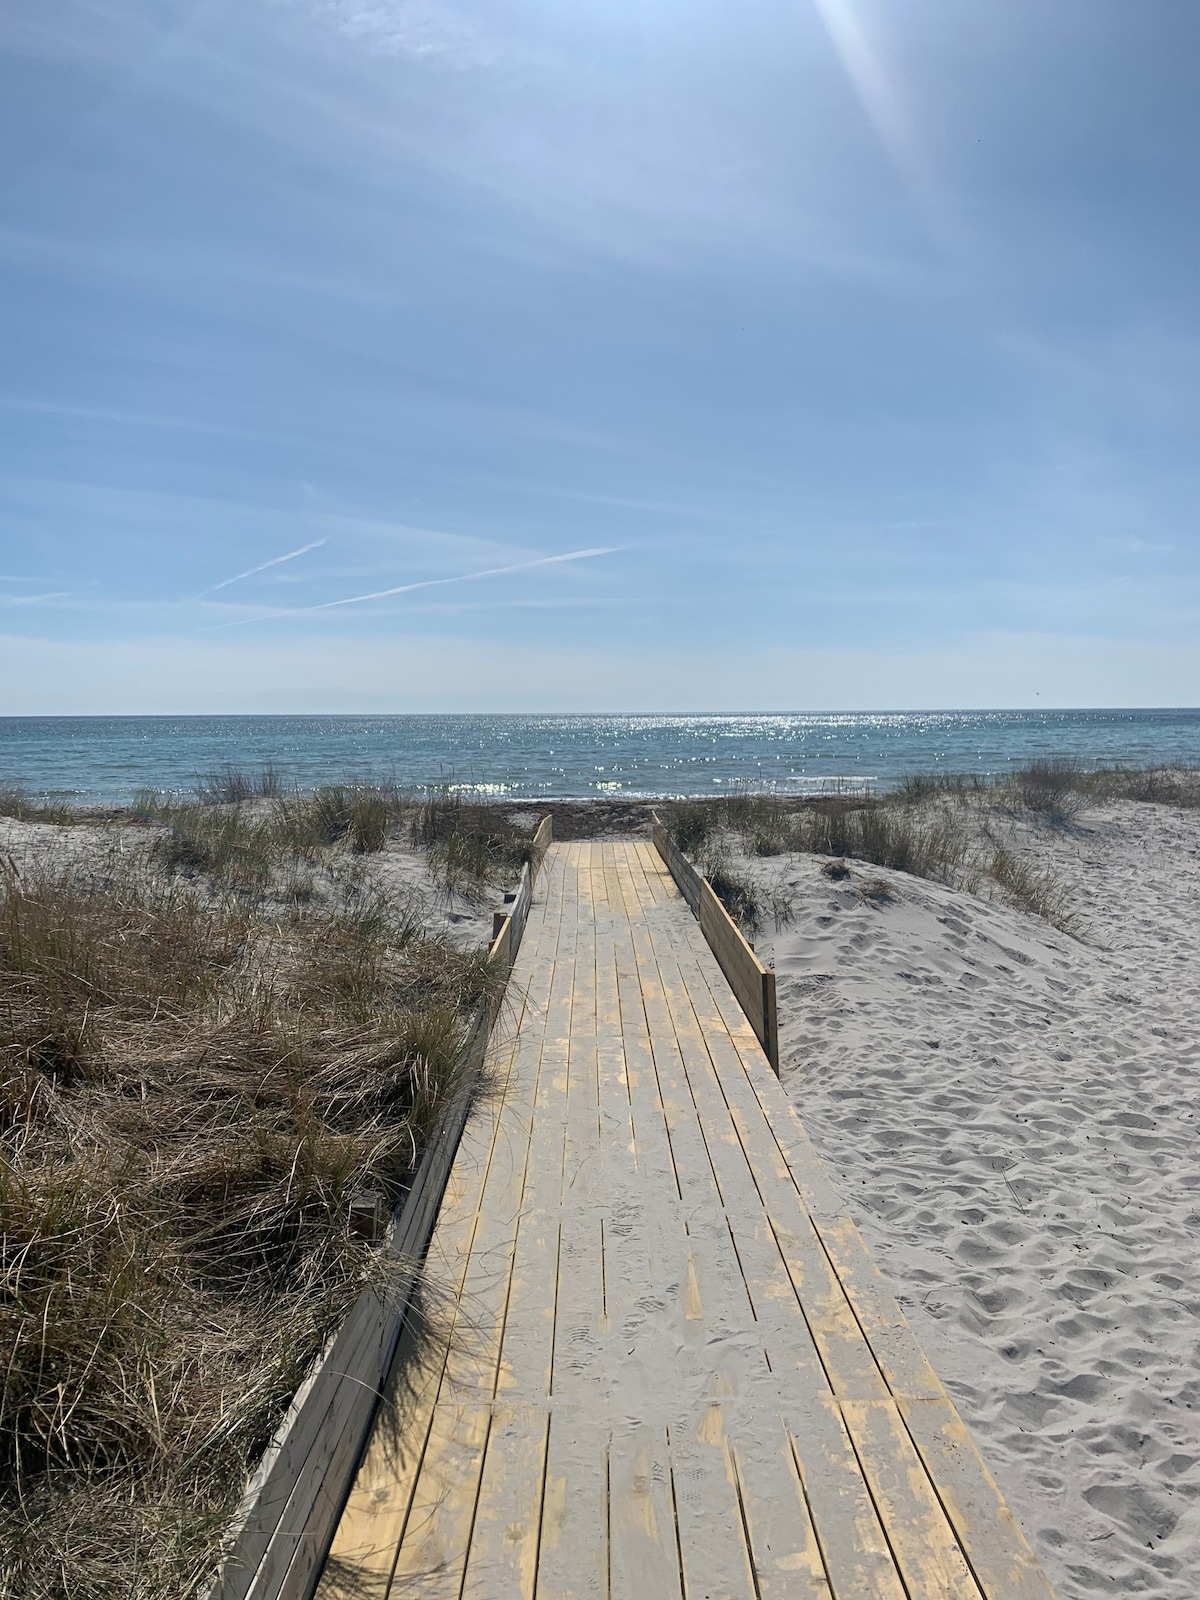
(409,355)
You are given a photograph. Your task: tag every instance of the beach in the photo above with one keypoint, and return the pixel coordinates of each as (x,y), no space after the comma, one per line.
(1007,1104)
(1011,1113)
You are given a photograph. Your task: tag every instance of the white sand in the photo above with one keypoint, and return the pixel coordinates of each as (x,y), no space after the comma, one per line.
(1011,1115)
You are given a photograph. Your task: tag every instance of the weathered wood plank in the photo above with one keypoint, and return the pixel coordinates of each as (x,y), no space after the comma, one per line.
(376,1515)
(682,870)
(447,1489)
(644,1545)
(376,1512)
(713,1538)
(679,1372)
(922,1540)
(1002,1562)
(573,1550)
(503,1554)
(783,1542)
(751,982)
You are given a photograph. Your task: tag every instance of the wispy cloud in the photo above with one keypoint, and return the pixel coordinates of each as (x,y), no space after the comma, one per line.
(1148,546)
(426,583)
(421,30)
(134,419)
(275,561)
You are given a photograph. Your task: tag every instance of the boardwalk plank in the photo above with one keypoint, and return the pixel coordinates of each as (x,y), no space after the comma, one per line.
(713,1540)
(573,1552)
(669,1367)
(644,1546)
(503,1555)
(1004,1565)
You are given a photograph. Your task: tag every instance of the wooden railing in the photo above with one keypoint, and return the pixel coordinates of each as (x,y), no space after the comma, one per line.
(751,982)
(509,924)
(293,1501)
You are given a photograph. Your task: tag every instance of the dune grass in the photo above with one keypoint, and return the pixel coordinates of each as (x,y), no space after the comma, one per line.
(17,803)
(230,785)
(917,830)
(933,825)
(244,842)
(195,1088)
(1058,787)
(470,845)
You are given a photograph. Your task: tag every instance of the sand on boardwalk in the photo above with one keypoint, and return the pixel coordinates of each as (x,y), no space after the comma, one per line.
(1011,1114)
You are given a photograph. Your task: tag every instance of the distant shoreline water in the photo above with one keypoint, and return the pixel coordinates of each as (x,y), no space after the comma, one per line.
(101,760)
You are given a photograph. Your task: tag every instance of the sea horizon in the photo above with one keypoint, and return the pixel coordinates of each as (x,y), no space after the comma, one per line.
(565,755)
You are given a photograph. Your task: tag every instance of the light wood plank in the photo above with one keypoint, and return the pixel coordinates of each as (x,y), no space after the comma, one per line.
(573,1551)
(377,1513)
(839,1492)
(784,1547)
(503,1554)
(675,1370)
(644,1546)
(1003,1564)
(922,1540)
(448,1485)
(713,1539)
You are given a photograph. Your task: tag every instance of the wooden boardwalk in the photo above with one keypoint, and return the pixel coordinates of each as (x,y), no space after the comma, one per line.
(660,1365)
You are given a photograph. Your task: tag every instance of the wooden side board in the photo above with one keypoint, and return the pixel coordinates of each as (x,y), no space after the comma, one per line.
(751,982)
(542,840)
(295,1495)
(687,879)
(506,940)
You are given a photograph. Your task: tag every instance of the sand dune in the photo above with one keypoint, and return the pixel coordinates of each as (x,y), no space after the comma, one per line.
(1011,1113)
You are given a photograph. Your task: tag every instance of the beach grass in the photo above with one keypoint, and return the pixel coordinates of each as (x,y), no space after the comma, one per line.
(928,837)
(471,844)
(196,1086)
(18,804)
(939,826)
(230,785)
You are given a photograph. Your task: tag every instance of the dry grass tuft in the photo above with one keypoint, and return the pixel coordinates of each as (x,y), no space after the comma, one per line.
(1037,892)
(1168,786)
(16,803)
(1053,789)
(193,1090)
(883,831)
(470,845)
(937,830)
(230,785)
(245,843)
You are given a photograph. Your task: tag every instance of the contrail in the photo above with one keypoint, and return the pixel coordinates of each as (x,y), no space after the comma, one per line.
(262,567)
(465,577)
(425,583)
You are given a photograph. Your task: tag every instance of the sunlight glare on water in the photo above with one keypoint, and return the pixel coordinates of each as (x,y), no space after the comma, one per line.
(101,759)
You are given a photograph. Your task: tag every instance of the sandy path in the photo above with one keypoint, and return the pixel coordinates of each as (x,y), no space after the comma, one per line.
(1012,1115)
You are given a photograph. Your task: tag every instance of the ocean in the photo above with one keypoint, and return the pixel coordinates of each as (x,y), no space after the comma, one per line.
(108,759)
